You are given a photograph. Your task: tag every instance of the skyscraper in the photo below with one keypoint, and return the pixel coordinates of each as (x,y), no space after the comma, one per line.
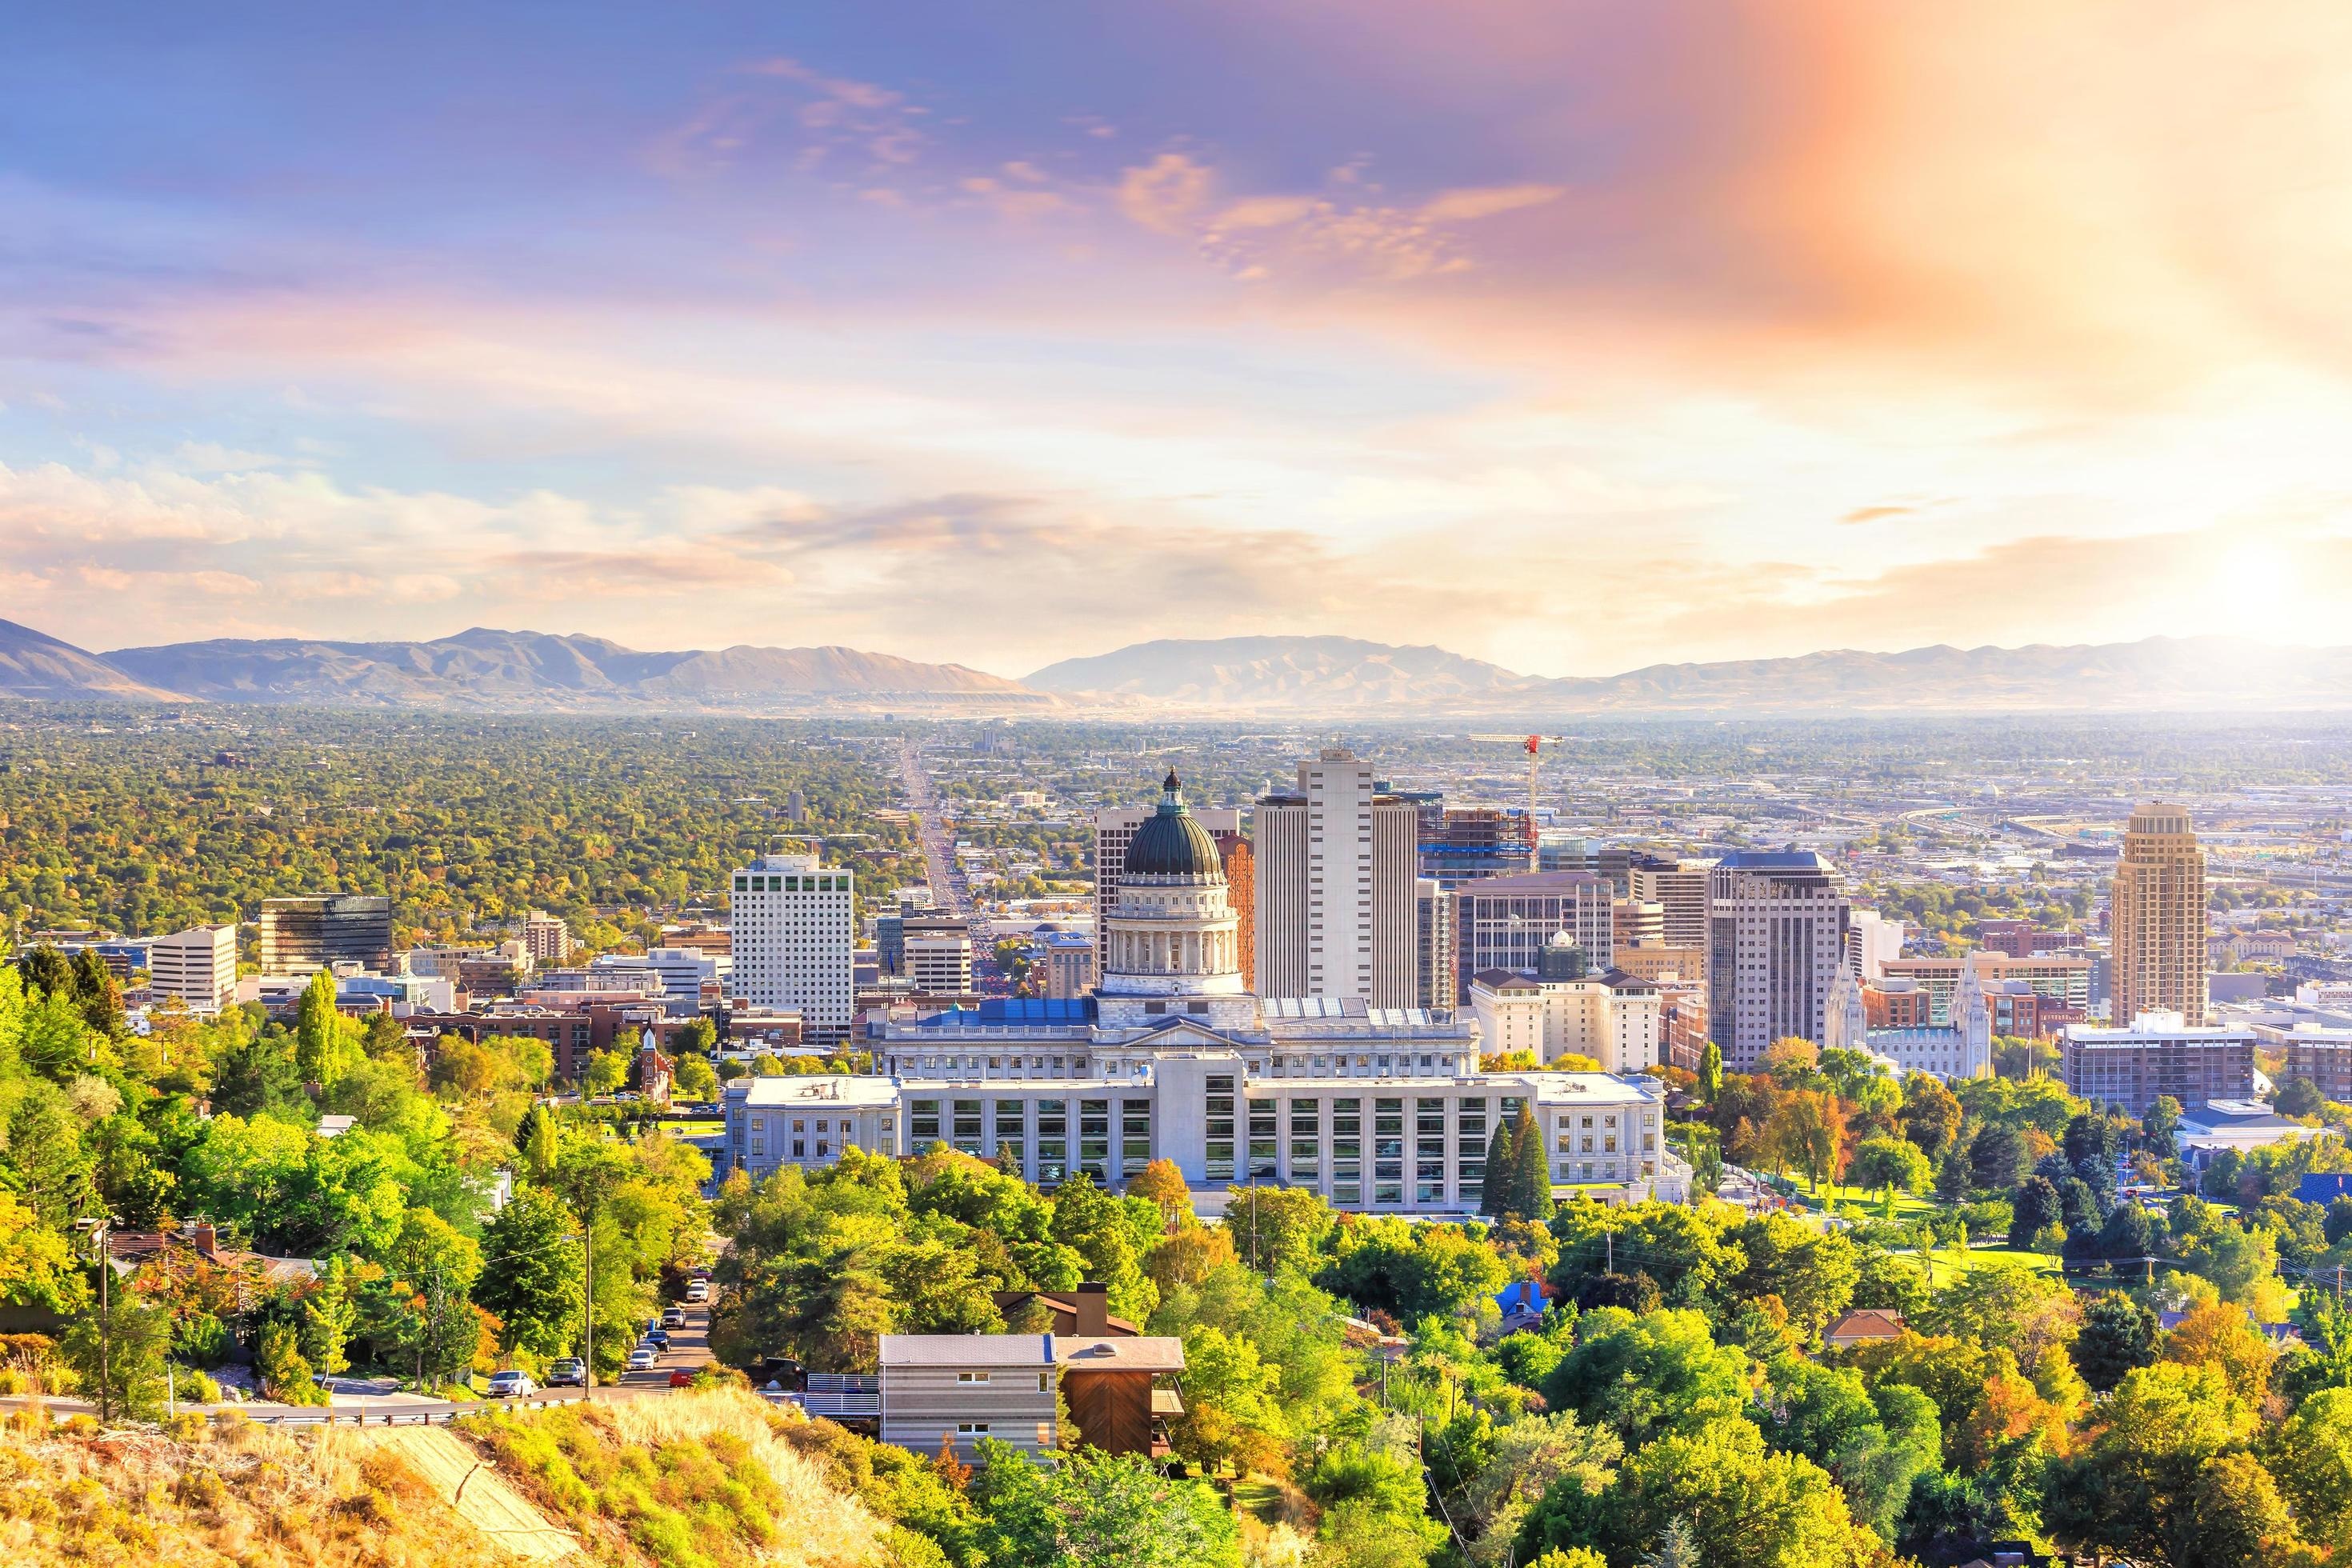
(1434,981)
(1506,922)
(1776,941)
(1336,863)
(197,965)
(2157,917)
(1679,887)
(301,934)
(795,921)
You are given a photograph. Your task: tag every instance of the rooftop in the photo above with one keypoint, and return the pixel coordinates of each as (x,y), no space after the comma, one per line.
(967,1349)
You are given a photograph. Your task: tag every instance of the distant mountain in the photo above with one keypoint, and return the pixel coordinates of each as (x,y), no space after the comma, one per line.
(36,664)
(1300,674)
(1280,672)
(483,667)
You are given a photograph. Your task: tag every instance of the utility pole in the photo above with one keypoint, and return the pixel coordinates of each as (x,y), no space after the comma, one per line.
(100,1229)
(588,1305)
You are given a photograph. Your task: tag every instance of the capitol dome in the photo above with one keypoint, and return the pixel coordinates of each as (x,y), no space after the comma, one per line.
(1172,843)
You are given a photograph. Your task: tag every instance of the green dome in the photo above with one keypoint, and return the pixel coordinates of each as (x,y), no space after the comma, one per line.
(1172,842)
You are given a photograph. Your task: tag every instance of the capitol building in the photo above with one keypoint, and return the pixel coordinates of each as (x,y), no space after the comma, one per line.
(1377,1109)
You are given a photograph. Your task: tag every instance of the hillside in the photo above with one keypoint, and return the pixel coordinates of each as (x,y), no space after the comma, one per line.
(487,668)
(1302,674)
(1280,672)
(699,1480)
(38,666)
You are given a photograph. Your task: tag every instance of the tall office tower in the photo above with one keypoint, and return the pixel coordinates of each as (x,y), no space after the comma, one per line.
(1634,921)
(794,922)
(197,965)
(1434,980)
(1464,844)
(1335,875)
(2157,917)
(1506,922)
(1240,888)
(1776,942)
(302,934)
(1115,828)
(1680,887)
(546,938)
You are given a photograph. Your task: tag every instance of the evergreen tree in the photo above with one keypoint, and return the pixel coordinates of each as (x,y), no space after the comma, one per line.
(1495,1195)
(1531,1177)
(328,1313)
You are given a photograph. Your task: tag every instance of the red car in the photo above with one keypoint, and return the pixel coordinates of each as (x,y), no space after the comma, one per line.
(682,1378)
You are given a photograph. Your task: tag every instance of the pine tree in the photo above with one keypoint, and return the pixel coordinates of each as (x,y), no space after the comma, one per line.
(1532,1183)
(1493,1196)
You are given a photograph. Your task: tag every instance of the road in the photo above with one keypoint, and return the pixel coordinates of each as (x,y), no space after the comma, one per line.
(370,1401)
(949,890)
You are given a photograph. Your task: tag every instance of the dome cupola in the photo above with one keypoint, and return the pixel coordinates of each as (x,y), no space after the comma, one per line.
(1172,843)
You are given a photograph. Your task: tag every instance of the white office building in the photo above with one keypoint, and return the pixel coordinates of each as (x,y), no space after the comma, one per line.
(794,928)
(1612,1019)
(939,961)
(199,966)
(1335,865)
(685,971)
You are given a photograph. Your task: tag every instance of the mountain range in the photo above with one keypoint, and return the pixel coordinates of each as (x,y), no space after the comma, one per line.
(1296,676)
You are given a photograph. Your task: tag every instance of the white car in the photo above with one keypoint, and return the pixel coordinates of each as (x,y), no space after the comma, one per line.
(697,1289)
(511,1386)
(642,1359)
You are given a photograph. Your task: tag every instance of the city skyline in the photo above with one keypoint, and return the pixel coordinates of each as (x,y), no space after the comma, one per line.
(1771,329)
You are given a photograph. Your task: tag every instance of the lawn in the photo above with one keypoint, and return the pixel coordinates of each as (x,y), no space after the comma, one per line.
(1906,1206)
(1951,1260)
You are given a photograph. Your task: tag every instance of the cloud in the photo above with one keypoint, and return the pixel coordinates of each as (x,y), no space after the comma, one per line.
(1163,194)
(1476,202)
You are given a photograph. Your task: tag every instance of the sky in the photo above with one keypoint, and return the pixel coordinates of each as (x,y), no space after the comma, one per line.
(1573,336)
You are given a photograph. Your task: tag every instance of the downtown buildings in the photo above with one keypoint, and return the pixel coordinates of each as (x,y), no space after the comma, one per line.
(794,926)
(1375,1107)
(1776,923)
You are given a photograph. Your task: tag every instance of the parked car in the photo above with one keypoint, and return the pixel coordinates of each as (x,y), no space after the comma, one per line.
(682,1378)
(568,1372)
(641,1360)
(657,1338)
(697,1289)
(674,1319)
(512,1384)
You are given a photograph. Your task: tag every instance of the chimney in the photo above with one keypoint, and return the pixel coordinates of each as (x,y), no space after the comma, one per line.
(206,1239)
(1094,1310)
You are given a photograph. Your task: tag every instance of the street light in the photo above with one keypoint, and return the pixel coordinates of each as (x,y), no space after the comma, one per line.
(102,1227)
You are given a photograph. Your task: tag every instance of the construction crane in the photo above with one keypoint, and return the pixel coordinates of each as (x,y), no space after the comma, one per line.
(1533,746)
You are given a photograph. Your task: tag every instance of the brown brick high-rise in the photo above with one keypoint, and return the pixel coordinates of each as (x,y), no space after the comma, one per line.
(2158,917)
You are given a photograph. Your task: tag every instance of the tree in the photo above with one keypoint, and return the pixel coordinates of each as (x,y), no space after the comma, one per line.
(2299,1097)
(1742,1506)
(535,1141)
(328,1312)
(2033,1210)
(1530,1169)
(530,1273)
(285,1373)
(1643,1376)
(1093,1509)
(1276,1229)
(696,1079)
(1888,1164)
(1497,1194)
(607,1071)
(323,1043)
(1163,1184)
(1809,1130)
(117,1351)
(1710,1072)
(1930,1113)
(2118,1336)
(2163,1119)
(698,1035)
(1998,1156)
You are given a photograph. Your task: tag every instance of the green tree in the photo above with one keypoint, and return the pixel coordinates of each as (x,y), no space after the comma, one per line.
(1530,1169)
(2118,1336)
(328,1312)
(1643,1376)
(607,1071)
(1498,1194)
(531,1273)
(535,1141)
(1889,1164)
(1742,1506)
(284,1371)
(1096,1510)
(116,1353)
(324,1040)
(1278,1229)
(1710,1071)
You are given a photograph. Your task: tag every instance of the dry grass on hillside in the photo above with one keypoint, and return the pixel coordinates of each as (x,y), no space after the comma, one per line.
(691,1480)
(219,1493)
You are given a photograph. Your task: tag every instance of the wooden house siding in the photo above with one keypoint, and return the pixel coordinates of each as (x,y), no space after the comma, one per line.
(1112,1410)
(921,1404)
